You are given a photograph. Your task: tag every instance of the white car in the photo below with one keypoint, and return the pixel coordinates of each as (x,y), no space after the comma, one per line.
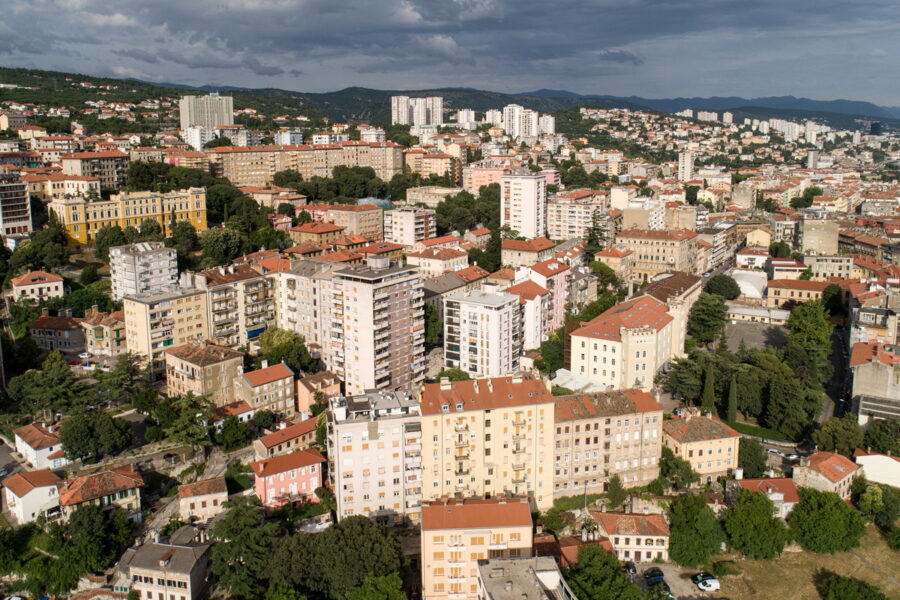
(706,582)
(85,355)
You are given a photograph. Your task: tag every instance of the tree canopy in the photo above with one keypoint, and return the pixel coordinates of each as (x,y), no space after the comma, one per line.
(598,574)
(822,522)
(723,285)
(752,528)
(695,533)
(841,435)
(707,318)
(280,345)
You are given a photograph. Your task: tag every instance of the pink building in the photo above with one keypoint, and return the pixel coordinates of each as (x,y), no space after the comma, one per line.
(552,176)
(475,177)
(289,478)
(553,276)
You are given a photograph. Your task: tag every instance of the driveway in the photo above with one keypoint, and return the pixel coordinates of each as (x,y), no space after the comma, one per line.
(679,580)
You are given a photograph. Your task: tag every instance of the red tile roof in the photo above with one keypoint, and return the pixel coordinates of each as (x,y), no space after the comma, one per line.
(527,290)
(229,274)
(286,462)
(101,483)
(37,436)
(317,228)
(604,404)
(58,323)
(24,481)
(36,278)
(216,485)
(550,267)
(289,433)
(437,241)
(832,465)
(631,314)
(87,155)
(475,514)
(654,234)
(779,485)
(614,252)
(799,284)
(698,429)
(437,253)
(203,354)
(268,374)
(536,245)
(482,394)
(632,524)
(470,274)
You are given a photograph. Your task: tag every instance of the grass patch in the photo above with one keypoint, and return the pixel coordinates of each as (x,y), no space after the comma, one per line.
(573,502)
(763,432)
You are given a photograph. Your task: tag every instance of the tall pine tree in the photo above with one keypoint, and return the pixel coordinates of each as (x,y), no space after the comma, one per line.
(732,400)
(709,392)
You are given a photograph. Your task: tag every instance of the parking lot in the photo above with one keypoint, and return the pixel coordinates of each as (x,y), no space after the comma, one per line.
(678,579)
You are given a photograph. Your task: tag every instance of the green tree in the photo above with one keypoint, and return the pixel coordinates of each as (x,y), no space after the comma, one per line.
(184,237)
(606,277)
(807,274)
(89,275)
(433,327)
(597,234)
(558,390)
(695,534)
(287,178)
(127,377)
(598,574)
(264,419)
(723,285)
(731,407)
(780,250)
(453,375)
(838,587)
(150,231)
(883,436)
(676,471)
(841,435)
(234,434)
(241,555)
(190,425)
(709,392)
(833,299)
(77,437)
(707,318)
(379,587)
(106,238)
(752,457)
(221,246)
(616,494)
(752,528)
(822,522)
(303,217)
(218,142)
(785,408)
(280,345)
(871,502)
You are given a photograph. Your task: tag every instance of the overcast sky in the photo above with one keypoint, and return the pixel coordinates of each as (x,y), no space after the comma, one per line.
(822,49)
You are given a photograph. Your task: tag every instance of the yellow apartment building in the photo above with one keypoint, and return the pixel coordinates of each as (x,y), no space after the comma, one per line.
(707,443)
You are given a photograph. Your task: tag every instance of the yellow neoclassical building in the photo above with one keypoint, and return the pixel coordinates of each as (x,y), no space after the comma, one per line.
(82,219)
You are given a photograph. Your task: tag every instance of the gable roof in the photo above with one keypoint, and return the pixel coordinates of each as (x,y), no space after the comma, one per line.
(631,524)
(279,464)
(216,485)
(24,481)
(673,285)
(549,267)
(36,278)
(536,245)
(288,433)
(203,354)
(475,513)
(694,428)
(38,436)
(268,375)
(644,311)
(101,483)
(482,394)
(604,404)
(832,465)
(779,485)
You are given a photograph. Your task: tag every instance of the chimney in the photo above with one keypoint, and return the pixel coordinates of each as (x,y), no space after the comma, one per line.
(45,312)
(221,270)
(265,364)
(445,384)
(739,473)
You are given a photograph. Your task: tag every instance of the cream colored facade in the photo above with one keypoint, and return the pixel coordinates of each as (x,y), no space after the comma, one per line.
(104,334)
(203,368)
(657,252)
(456,534)
(269,388)
(111,168)
(706,442)
(365,220)
(569,218)
(159,321)
(82,219)
(240,303)
(56,186)
(488,436)
(604,434)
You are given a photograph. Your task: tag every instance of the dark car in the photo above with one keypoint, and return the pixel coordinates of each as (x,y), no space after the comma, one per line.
(630,568)
(653,573)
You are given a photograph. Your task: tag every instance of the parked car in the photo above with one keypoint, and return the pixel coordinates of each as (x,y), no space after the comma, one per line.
(653,573)
(630,568)
(793,456)
(85,355)
(774,451)
(74,361)
(706,582)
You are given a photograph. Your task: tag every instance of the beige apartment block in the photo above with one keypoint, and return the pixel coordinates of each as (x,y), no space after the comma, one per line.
(269,388)
(37,286)
(202,500)
(358,219)
(175,569)
(203,368)
(110,167)
(657,252)
(56,186)
(604,434)
(409,224)
(240,303)
(104,334)
(456,534)
(154,322)
(489,437)
(707,443)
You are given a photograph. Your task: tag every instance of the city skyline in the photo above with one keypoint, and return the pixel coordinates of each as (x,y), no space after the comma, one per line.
(837,50)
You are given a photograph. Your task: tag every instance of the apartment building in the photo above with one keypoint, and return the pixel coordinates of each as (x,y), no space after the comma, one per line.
(537,578)
(619,259)
(375,455)
(239,301)
(827,472)
(534,306)
(789,292)
(57,333)
(302,295)
(457,534)
(82,219)
(111,488)
(204,369)
(489,437)
(707,443)
(524,253)
(289,478)
(408,225)
(358,219)
(104,333)
(827,267)
(523,204)
(15,205)
(109,167)
(270,387)
(287,438)
(417,111)
(373,333)
(482,332)
(606,434)
(48,187)
(433,262)
(173,568)
(37,286)
(154,322)
(555,277)
(142,268)
(29,495)
(876,381)
(570,218)
(205,111)
(431,195)
(657,252)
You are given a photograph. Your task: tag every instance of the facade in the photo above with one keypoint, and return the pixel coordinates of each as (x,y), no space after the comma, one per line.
(269,388)
(879,468)
(109,167)
(28,495)
(876,381)
(39,445)
(57,333)
(37,286)
(524,253)
(417,111)
(56,186)
(604,434)
(142,268)
(286,439)
(375,456)
(119,487)
(457,534)
(154,322)
(555,277)
(482,332)
(619,259)
(635,537)
(433,262)
(523,204)
(827,472)
(534,306)
(707,443)
(289,478)
(204,369)
(657,252)
(408,225)
(789,292)
(489,437)
(104,334)
(374,328)
(202,500)
(430,195)
(206,111)
(15,205)
(83,219)
(569,218)
(176,569)
(239,301)
(322,383)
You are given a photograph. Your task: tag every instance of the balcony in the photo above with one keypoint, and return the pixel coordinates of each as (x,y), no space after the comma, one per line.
(519,478)
(517,450)
(518,466)
(519,422)
(461,443)
(461,427)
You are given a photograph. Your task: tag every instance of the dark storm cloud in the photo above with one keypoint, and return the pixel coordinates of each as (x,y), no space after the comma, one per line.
(818,48)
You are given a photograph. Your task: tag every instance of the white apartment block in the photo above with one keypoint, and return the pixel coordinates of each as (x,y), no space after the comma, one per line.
(482,332)
(207,111)
(372,135)
(408,225)
(569,218)
(417,111)
(240,303)
(142,268)
(523,204)
(375,328)
(685,165)
(375,456)
(288,137)
(301,296)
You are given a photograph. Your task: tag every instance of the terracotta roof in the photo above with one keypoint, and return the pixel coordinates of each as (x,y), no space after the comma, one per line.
(381,248)
(470,274)
(604,404)
(237,408)
(832,465)
(437,253)
(536,245)
(614,252)
(317,228)
(37,436)
(504,274)
(673,285)
(274,264)
(342,256)
(35,278)
(268,375)
(216,485)
(350,240)
(655,234)
(59,323)
(444,239)
(24,481)
(288,433)
(317,381)
(482,394)
(353,207)
(644,311)
(95,319)
(203,354)
(286,462)
(85,155)
(475,514)
(859,452)
(697,429)
(799,284)
(101,483)
(527,290)
(229,274)
(549,268)
(305,248)
(480,232)
(632,524)
(780,485)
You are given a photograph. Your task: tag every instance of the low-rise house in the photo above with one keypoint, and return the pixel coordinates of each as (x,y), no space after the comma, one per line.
(37,286)
(707,443)
(111,488)
(325,383)
(879,468)
(57,333)
(104,333)
(436,261)
(619,259)
(523,253)
(780,490)
(827,472)
(39,445)
(289,478)
(202,500)
(635,537)
(269,388)
(175,569)
(239,409)
(204,369)
(288,438)
(789,292)
(29,494)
